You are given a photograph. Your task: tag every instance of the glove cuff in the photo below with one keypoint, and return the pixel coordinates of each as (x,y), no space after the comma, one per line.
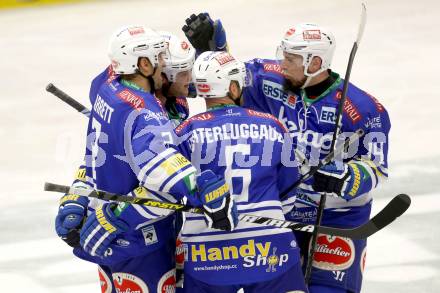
(73,198)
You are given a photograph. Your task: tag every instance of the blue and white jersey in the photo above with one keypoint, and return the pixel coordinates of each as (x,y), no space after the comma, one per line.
(246,148)
(311,122)
(176,107)
(130,143)
(130,150)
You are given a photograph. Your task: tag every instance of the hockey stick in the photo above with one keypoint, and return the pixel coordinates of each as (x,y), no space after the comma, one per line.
(395,208)
(68,99)
(335,135)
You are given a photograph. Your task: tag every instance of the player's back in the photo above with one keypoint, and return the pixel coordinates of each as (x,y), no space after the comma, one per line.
(244,147)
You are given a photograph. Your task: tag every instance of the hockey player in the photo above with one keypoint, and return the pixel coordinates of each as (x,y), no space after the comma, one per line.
(244,146)
(176,77)
(128,146)
(303,93)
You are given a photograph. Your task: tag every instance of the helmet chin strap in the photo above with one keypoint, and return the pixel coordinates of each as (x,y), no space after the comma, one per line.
(309,76)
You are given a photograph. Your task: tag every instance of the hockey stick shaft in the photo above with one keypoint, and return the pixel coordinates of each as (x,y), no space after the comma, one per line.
(68,99)
(335,136)
(394,209)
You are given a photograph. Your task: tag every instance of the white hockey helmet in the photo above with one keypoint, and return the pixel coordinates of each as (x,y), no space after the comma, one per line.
(180,56)
(213,72)
(309,40)
(129,43)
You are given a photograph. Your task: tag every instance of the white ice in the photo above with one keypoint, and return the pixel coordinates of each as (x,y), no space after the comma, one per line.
(41,139)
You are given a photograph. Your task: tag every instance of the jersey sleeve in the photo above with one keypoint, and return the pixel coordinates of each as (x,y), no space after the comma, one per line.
(370,164)
(104,76)
(160,166)
(288,172)
(252,98)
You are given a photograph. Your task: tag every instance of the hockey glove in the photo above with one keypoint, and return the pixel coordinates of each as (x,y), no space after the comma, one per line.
(340,182)
(205,34)
(219,207)
(100,229)
(71,213)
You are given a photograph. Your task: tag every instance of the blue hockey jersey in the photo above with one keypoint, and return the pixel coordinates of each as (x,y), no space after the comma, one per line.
(246,148)
(130,150)
(177,107)
(311,123)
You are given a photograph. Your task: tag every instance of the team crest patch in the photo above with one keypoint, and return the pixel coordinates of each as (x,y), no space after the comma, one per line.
(333,253)
(128,283)
(167,283)
(203,88)
(104,281)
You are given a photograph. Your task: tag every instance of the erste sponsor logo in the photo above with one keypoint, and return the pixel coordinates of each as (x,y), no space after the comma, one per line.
(275,91)
(328,115)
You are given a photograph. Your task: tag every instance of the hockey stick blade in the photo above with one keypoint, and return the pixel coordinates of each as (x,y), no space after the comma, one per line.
(67,99)
(394,209)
